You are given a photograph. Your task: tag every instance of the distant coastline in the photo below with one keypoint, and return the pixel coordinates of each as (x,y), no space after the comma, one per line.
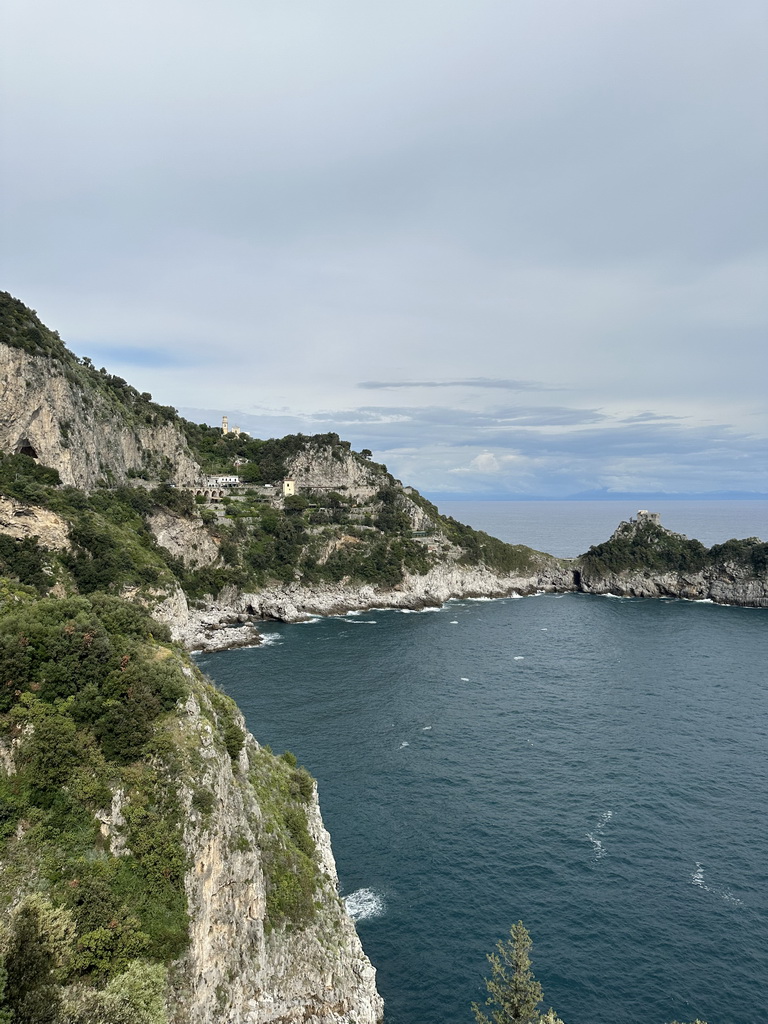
(636,497)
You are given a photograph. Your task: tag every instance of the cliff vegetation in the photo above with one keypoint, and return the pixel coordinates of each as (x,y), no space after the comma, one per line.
(649,547)
(112,753)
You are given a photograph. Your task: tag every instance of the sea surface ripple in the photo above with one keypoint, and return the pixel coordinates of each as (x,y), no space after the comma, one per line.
(595,768)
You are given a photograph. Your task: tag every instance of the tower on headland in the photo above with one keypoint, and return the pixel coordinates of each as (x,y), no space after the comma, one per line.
(225,424)
(644,516)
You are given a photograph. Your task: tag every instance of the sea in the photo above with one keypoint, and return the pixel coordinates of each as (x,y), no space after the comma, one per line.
(596,767)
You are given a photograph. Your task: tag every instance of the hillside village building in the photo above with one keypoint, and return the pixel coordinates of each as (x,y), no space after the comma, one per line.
(236,431)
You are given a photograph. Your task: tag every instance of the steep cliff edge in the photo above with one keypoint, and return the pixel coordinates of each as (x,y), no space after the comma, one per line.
(88,425)
(262,950)
(157,866)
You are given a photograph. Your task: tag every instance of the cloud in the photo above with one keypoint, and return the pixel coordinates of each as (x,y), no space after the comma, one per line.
(440,449)
(291,205)
(469,382)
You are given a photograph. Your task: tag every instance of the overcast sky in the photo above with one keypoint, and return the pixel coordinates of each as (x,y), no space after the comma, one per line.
(513,246)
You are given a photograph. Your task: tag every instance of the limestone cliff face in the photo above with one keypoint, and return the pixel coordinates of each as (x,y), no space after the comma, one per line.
(19,520)
(238,969)
(184,538)
(323,468)
(729,584)
(61,414)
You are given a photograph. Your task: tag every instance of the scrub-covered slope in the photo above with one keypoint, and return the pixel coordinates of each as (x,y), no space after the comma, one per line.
(156,864)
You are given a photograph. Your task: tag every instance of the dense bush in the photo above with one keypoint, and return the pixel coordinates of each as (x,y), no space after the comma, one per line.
(24,560)
(647,546)
(83,687)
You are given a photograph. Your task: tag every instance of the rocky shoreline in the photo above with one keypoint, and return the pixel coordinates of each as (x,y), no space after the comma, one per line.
(236,619)
(233,618)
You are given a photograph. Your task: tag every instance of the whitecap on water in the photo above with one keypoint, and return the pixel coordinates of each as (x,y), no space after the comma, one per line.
(697,879)
(518,657)
(426,728)
(595,836)
(405,743)
(270,639)
(453,622)
(465,679)
(597,844)
(364,904)
(363,622)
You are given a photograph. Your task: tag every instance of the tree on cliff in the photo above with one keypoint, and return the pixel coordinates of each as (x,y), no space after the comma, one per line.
(513,992)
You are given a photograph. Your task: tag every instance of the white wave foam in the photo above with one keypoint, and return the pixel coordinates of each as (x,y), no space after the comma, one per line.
(270,639)
(465,679)
(697,879)
(597,845)
(363,622)
(420,611)
(426,728)
(405,743)
(453,622)
(308,622)
(595,836)
(364,904)
(518,657)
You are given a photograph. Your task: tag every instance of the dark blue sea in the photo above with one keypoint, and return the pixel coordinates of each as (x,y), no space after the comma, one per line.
(597,767)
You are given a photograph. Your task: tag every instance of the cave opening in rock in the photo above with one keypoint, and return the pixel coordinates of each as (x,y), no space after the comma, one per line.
(25,447)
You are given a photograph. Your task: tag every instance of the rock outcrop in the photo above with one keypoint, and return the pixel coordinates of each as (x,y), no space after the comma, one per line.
(237,969)
(329,468)
(644,559)
(87,424)
(20,520)
(729,584)
(184,538)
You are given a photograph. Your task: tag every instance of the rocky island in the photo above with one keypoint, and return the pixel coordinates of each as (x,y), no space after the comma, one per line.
(157,865)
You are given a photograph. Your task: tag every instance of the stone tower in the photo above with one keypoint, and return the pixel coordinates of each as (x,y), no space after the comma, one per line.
(224,425)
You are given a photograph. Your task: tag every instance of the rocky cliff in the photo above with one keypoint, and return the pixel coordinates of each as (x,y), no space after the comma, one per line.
(240,967)
(323,467)
(87,424)
(728,583)
(169,868)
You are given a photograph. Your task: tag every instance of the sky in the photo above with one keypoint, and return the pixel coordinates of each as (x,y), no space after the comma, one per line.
(517,248)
